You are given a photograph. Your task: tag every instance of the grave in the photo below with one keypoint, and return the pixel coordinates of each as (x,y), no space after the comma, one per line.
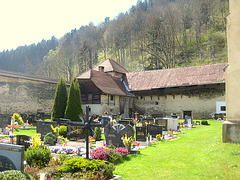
(44,127)
(124,122)
(147,121)
(5,120)
(114,134)
(24,140)
(162,122)
(141,133)
(154,130)
(76,131)
(105,120)
(11,157)
(172,124)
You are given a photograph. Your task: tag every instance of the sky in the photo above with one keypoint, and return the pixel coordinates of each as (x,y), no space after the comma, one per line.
(24,22)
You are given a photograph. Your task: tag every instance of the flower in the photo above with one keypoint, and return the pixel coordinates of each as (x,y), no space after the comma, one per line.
(159,137)
(127,141)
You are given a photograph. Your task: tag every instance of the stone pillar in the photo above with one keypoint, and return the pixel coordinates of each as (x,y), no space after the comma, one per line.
(231,128)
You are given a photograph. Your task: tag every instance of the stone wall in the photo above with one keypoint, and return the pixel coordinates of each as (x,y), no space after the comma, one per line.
(18,95)
(202,105)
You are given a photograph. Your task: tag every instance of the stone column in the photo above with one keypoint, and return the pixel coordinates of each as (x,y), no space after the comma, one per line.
(231,128)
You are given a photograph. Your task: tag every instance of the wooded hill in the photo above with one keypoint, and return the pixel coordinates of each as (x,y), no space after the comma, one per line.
(153,34)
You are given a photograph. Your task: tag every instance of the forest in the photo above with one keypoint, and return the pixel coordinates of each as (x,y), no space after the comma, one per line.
(153,34)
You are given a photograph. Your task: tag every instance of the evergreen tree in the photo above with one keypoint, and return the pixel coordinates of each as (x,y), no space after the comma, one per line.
(73,109)
(78,98)
(60,100)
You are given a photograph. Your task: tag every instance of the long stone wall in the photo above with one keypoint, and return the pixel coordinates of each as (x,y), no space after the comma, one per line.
(19,95)
(202,105)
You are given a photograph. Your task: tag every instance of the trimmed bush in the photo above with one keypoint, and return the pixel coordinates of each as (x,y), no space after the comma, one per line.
(15,175)
(77,166)
(62,131)
(50,139)
(97,134)
(38,156)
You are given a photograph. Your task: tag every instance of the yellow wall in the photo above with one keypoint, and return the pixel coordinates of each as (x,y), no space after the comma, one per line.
(233,70)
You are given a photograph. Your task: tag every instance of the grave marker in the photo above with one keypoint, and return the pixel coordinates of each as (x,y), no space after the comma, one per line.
(154,130)
(114,134)
(11,157)
(44,127)
(141,133)
(162,122)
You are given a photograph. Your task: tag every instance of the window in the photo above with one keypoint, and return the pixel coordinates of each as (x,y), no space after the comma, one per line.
(111,98)
(156,103)
(223,108)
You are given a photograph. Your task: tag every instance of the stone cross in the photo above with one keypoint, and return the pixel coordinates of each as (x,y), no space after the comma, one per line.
(12,126)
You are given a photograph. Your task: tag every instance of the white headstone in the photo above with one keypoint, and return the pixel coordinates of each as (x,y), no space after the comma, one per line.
(99,144)
(172,124)
(189,123)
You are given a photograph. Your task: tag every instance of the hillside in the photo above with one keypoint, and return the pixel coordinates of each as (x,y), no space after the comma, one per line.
(153,34)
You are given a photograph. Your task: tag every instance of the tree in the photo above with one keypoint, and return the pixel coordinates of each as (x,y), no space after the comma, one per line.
(60,100)
(73,109)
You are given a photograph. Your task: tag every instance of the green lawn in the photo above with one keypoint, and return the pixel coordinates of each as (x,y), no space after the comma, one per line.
(30,132)
(197,154)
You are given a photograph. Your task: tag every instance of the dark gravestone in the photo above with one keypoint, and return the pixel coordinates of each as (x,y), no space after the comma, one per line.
(76,131)
(147,121)
(24,117)
(44,127)
(129,131)
(11,157)
(24,140)
(40,115)
(105,120)
(114,134)
(124,122)
(141,133)
(162,122)
(31,118)
(154,130)
(5,120)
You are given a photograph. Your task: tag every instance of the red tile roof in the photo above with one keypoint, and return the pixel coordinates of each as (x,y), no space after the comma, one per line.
(106,83)
(186,76)
(110,65)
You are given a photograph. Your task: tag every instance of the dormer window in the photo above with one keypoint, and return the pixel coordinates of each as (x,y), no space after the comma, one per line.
(101,68)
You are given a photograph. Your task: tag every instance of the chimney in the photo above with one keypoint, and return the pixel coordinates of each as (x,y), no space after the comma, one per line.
(101,68)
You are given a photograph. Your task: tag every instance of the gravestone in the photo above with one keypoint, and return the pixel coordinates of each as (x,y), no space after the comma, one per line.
(154,130)
(31,118)
(11,157)
(162,122)
(44,127)
(114,134)
(24,140)
(129,131)
(5,120)
(147,121)
(105,120)
(189,120)
(141,133)
(76,131)
(173,124)
(124,122)
(40,115)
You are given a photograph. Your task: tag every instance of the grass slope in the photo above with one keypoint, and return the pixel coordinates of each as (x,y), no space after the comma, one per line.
(197,154)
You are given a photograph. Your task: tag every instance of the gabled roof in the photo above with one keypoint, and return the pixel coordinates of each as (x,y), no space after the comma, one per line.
(186,76)
(110,65)
(106,83)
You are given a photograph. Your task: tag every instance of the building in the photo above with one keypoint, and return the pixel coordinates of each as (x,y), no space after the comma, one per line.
(192,91)
(109,88)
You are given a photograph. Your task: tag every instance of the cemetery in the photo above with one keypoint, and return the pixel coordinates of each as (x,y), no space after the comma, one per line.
(74,143)
(117,144)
